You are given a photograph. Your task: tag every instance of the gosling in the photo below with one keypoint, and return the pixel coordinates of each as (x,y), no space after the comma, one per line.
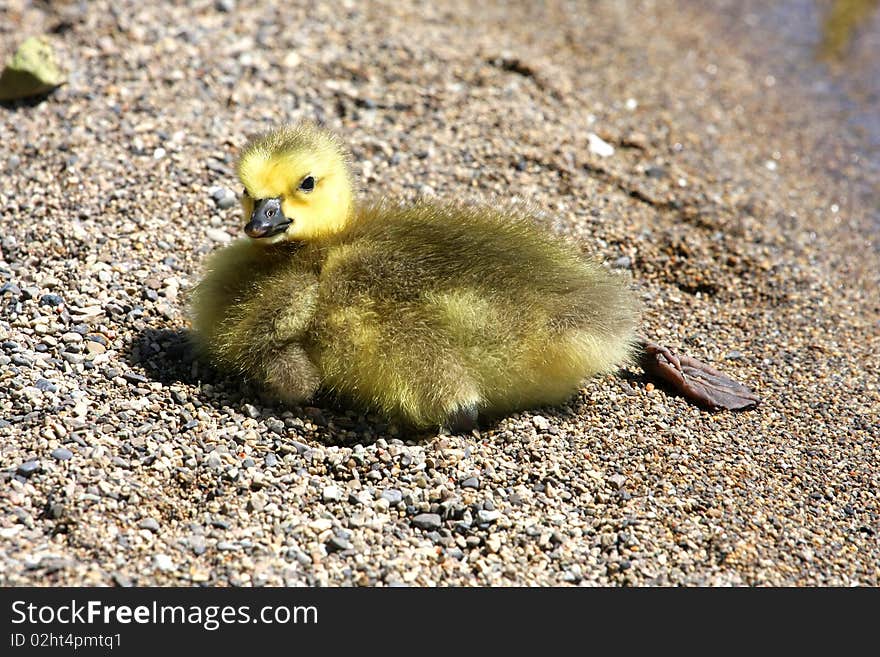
(434,314)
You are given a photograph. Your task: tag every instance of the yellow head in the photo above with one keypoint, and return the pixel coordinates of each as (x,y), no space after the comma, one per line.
(297,185)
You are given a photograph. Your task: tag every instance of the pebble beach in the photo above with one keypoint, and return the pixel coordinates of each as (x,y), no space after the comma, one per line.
(631,128)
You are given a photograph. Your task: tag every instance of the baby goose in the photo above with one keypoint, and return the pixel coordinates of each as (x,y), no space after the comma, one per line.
(431,313)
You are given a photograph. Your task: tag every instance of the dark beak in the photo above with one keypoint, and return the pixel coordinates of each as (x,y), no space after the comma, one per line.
(267,219)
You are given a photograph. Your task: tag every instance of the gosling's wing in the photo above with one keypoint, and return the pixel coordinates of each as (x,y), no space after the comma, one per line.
(487,248)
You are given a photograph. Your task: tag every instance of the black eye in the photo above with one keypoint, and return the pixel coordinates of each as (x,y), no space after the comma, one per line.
(307,184)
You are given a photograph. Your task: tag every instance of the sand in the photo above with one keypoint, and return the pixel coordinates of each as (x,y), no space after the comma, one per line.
(124,461)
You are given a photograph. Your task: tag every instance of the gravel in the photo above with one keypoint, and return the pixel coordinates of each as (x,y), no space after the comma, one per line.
(129,461)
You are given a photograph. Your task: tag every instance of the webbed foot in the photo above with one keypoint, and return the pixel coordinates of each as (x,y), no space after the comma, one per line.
(462,421)
(694,380)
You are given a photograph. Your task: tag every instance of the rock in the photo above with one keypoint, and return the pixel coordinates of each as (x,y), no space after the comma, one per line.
(636,140)
(197,544)
(541,423)
(599,146)
(485,517)
(331,494)
(251,411)
(617,480)
(320,525)
(45,385)
(623,262)
(87,312)
(95,348)
(275,425)
(163,562)
(149,523)
(32,70)
(51,300)
(226,6)
(28,468)
(337,544)
(62,454)
(223,198)
(10,288)
(471,482)
(427,521)
(218,235)
(393,495)
(134,377)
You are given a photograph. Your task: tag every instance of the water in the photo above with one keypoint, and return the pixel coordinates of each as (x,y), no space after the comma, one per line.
(830,51)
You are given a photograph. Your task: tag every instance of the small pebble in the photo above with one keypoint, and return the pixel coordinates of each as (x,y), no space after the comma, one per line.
(51,300)
(427,521)
(45,385)
(599,146)
(163,562)
(617,480)
(541,423)
(337,544)
(134,377)
(331,494)
(223,197)
(393,496)
(485,517)
(62,454)
(218,235)
(28,468)
(149,523)
(95,348)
